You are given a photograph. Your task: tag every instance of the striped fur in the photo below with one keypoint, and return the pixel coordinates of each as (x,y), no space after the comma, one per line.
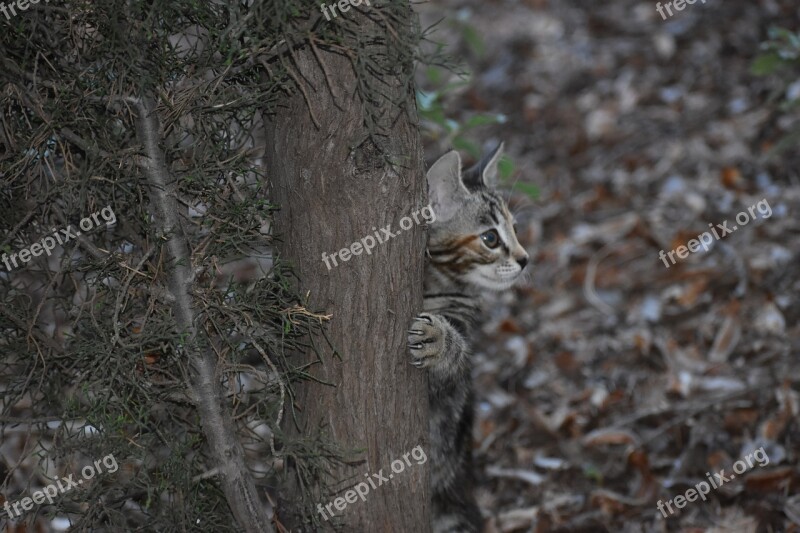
(463,260)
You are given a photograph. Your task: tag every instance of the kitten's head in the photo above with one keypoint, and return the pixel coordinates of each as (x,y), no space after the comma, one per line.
(473,238)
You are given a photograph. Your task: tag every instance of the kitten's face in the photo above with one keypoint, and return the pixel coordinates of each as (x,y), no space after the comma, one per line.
(473,238)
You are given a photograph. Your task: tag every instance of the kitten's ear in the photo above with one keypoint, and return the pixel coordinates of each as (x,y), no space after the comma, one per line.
(484,174)
(445,190)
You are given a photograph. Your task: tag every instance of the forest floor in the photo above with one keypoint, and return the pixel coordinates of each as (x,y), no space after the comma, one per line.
(608,381)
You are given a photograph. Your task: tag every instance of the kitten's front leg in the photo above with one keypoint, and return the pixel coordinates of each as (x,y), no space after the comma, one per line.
(437,346)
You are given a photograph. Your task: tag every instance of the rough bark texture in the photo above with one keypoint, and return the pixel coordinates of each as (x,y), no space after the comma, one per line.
(331,197)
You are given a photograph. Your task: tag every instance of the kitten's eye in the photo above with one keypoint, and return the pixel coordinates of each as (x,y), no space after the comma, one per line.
(490,238)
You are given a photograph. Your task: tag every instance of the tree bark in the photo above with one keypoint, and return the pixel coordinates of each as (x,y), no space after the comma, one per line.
(331,195)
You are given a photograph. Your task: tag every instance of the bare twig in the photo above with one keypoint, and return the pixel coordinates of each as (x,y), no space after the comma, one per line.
(282,389)
(124,292)
(35,333)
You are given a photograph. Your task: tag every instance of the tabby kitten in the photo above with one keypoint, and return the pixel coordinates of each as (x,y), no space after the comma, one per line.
(472,247)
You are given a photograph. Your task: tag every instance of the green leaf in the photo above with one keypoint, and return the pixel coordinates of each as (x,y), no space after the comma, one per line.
(434,75)
(436,116)
(776,33)
(528,189)
(460,143)
(766,64)
(480,120)
(506,167)
(473,39)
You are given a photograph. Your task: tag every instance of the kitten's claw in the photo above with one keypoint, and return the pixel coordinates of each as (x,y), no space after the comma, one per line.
(426,340)
(424,316)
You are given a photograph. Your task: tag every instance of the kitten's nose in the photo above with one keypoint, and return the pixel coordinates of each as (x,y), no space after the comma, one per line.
(522,261)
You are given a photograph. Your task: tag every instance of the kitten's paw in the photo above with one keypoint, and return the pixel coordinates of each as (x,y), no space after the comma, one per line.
(426,340)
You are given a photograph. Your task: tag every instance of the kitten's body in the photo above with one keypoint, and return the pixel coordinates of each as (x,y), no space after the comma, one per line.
(471,248)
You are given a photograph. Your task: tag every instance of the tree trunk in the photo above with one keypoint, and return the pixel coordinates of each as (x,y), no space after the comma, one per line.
(332,195)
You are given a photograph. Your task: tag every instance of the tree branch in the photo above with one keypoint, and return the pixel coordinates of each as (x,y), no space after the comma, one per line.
(218,427)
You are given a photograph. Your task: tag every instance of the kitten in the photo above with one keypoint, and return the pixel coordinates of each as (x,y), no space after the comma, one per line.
(472,247)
